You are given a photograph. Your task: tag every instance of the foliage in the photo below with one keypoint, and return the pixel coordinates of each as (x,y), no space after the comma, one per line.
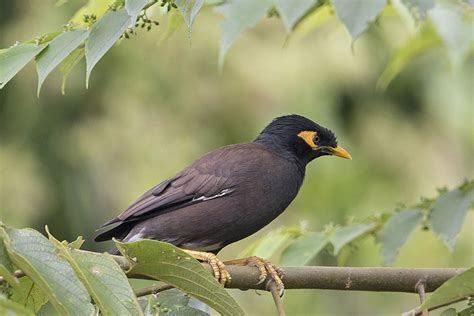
(461,286)
(444,215)
(70,278)
(96,27)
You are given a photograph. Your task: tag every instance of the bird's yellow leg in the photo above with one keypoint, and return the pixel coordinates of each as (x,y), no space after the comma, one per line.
(218,267)
(265,267)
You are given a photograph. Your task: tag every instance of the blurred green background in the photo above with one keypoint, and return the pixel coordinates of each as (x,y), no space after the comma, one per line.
(75,161)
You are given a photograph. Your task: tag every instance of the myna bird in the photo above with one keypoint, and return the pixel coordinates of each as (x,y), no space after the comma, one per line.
(228,194)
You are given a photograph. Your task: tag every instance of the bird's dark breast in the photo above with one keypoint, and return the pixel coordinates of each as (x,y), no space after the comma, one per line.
(262,187)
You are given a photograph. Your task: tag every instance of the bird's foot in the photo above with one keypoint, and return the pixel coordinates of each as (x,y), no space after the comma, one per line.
(218,267)
(265,267)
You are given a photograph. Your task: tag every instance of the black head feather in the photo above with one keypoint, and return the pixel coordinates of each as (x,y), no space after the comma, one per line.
(282,136)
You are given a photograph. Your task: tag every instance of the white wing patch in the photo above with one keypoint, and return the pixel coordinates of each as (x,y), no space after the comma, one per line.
(205,198)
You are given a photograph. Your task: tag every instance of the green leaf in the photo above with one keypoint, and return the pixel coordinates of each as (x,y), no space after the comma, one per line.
(292,11)
(169,264)
(460,286)
(10,308)
(6,266)
(449,312)
(447,214)
(68,64)
(29,294)
(239,15)
(37,257)
(396,232)
(175,20)
(456,29)
(314,20)
(76,244)
(134,7)
(467,311)
(303,249)
(415,46)
(13,59)
(104,279)
(344,235)
(93,7)
(420,7)
(189,10)
(271,243)
(58,49)
(171,302)
(103,35)
(358,14)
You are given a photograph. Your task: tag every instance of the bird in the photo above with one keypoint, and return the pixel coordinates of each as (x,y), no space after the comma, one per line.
(228,194)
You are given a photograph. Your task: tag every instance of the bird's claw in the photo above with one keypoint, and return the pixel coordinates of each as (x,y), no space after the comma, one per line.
(266,268)
(218,267)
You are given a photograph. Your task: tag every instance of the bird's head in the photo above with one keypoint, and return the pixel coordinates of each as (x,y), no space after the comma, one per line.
(298,136)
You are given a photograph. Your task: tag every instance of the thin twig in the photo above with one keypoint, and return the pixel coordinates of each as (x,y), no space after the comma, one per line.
(149,4)
(152,289)
(420,288)
(276,298)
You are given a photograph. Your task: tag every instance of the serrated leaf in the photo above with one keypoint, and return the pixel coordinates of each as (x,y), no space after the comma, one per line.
(29,295)
(57,50)
(189,10)
(303,249)
(68,64)
(6,266)
(239,15)
(103,35)
(104,279)
(13,59)
(292,11)
(171,302)
(170,264)
(460,286)
(344,235)
(415,46)
(356,15)
(36,256)
(447,214)
(10,308)
(396,232)
(134,7)
(271,243)
(456,29)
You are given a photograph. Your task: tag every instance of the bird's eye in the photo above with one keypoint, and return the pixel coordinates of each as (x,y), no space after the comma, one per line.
(316,138)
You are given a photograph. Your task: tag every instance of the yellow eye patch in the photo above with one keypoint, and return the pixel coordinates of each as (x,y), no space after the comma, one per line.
(308,137)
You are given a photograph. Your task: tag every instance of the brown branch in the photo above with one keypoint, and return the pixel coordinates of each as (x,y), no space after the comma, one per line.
(276,298)
(374,279)
(420,288)
(154,289)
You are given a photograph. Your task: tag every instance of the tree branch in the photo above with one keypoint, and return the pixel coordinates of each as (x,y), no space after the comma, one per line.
(276,298)
(420,288)
(374,279)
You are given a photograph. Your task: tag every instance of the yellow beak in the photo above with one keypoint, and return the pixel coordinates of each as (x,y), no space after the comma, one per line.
(341,152)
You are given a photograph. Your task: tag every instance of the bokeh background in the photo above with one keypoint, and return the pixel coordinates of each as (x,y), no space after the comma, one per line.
(75,161)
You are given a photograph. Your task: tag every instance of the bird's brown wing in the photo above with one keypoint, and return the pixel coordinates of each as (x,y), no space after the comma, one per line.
(197,183)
